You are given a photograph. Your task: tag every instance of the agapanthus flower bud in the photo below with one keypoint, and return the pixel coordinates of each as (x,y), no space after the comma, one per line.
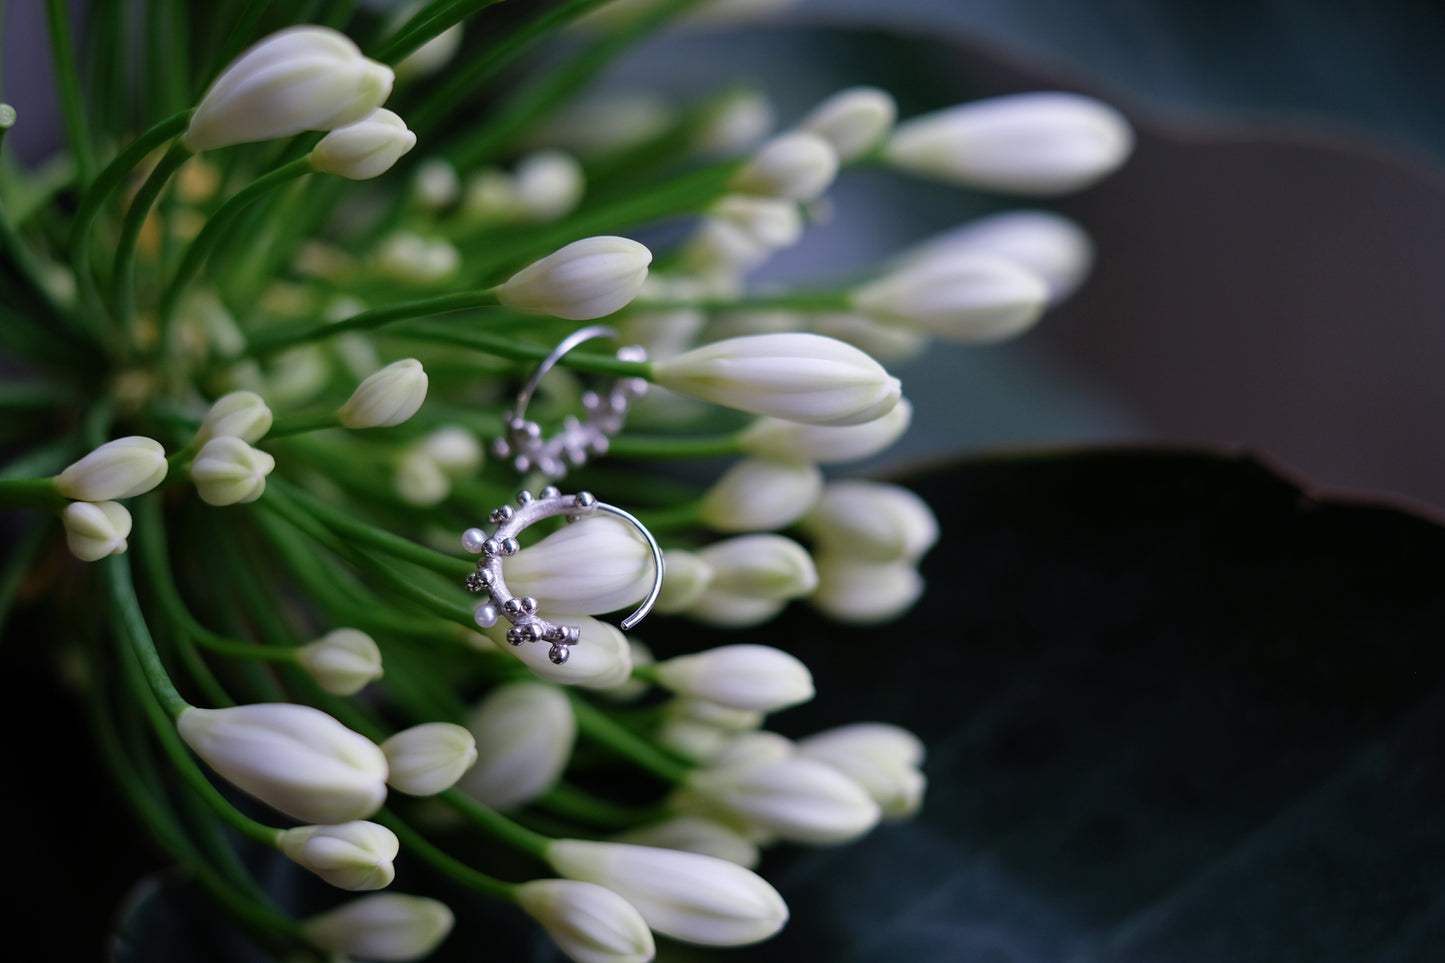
(889,343)
(731,718)
(760,494)
(427,759)
(596,565)
(735,121)
(431,56)
(589,923)
(419,480)
(687,896)
(852,120)
(753,748)
(94,530)
(356,855)
(525,732)
(798,166)
(294,758)
(771,223)
(695,834)
(437,184)
(342,661)
(388,927)
(240,414)
(1052,247)
(796,799)
(365,149)
(117,469)
(685,577)
(388,397)
(1036,143)
(601,659)
(851,589)
(755,677)
(587,279)
(690,738)
(874,521)
(416,260)
(300,78)
(882,758)
(966,297)
(799,377)
(763,566)
(827,444)
(546,186)
(227,471)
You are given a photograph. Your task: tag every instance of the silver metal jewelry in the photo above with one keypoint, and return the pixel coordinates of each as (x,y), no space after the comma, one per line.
(527,625)
(579,438)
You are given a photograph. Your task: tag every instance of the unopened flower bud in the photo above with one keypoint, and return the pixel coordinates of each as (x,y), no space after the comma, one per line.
(416,260)
(240,414)
(1036,143)
(342,661)
(600,659)
(686,576)
(735,122)
(873,521)
(753,748)
(852,120)
(429,758)
(589,923)
(882,758)
(796,799)
(1051,247)
(300,78)
(117,469)
(437,183)
(771,223)
(94,530)
(294,758)
(759,494)
(431,56)
(798,166)
(365,149)
(596,565)
(851,589)
(546,186)
(687,896)
(755,677)
(695,834)
(456,451)
(419,480)
(388,397)
(966,297)
(227,471)
(799,377)
(889,343)
(827,444)
(388,927)
(764,566)
(587,279)
(524,732)
(356,855)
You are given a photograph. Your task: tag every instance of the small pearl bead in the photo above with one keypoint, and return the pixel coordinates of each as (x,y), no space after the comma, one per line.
(486,615)
(473,539)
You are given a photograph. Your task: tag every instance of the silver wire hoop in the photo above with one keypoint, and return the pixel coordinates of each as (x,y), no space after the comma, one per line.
(527,625)
(579,438)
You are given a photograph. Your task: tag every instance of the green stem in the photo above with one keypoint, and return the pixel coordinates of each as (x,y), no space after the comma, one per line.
(123,279)
(264,344)
(602,728)
(427,24)
(495,824)
(574,803)
(299,424)
(665,446)
(122,594)
(62,52)
(673,517)
(417,844)
(31,493)
(504,347)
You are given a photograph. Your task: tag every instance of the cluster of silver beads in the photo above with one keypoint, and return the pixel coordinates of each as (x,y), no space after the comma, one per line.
(527,625)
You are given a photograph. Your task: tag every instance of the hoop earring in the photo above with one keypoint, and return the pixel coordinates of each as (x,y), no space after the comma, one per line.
(527,625)
(570,447)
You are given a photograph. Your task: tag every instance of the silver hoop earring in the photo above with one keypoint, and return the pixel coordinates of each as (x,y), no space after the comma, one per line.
(527,625)
(579,438)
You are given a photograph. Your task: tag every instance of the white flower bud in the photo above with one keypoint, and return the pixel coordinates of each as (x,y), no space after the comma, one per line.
(690,738)
(117,469)
(856,590)
(356,855)
(888,343)
(755,677)
(715,714)
(761,566)
(437,184)
(240,414)
(1037,143)
(796,799)
(881,758)
(525,732)
(419,480)
(587,279)
(227,471)
(722,249)
(416,260)
(827,444)
(385,926)
(852,120)
(601,659)
(662,333)
(798,166)
(799,377)
(1053,248)
(547,185)
(684,579)
(687,896)
(694,834)
(596,565)
(730,610)
(771,223)
(633,688)
(738,120)
(966,297)
(342,661)
(455,449)
(300,78)
(589,923)
(873,521)
(759,494)
(431,56)
(388,397)
(753,749)
(294,758)
(365,149)
(94,530)
(427,759)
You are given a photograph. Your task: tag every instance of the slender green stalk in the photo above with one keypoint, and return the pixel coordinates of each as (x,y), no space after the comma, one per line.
(602,728)
(574,803)
(123,279)
(504,347)
(495,824)
(31,493)
(300,424)
(428,23)
(673,517)
(418,845)
(118,580)
(72,105)
(266,344)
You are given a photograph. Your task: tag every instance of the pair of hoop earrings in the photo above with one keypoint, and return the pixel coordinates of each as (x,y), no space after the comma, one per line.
(524,444)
